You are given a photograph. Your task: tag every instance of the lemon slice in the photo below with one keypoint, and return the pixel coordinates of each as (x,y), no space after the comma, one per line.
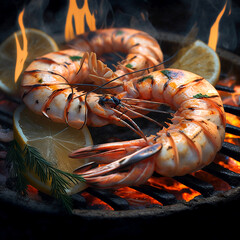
(39,43)
(54,141)
(199,59)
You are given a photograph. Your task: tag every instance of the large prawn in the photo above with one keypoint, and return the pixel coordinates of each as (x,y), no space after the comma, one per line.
(53,84)
(142,50)
(188,144)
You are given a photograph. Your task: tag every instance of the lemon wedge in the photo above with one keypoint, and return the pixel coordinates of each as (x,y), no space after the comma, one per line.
(39,43)
(200,59)
(54,141)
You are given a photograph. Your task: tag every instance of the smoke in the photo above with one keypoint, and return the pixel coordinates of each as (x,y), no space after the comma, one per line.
(204,14)
(176,16)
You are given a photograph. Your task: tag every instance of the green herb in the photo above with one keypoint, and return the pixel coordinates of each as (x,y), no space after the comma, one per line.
(168,74)
(119,32)
(75,58)
(40,80)
(145,78)
(129,66)
(200,95)
(20,161)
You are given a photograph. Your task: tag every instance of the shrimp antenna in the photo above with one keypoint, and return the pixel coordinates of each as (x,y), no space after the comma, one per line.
(136,71)
(140,70)
(103,85)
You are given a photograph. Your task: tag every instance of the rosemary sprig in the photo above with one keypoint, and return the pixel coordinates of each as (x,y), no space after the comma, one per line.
(20,161)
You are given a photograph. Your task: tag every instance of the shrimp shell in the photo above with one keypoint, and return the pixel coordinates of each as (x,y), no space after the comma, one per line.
(142,50)
(188,144)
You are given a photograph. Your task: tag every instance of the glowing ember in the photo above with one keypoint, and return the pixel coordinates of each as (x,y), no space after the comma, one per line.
(172,186)
(22,53)
(218,184)
(230,164)
(95,203)
(76,17)
(213,38)
(135,198)
(234,100)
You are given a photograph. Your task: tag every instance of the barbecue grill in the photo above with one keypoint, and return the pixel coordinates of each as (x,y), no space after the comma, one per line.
(107,213)
(115,212)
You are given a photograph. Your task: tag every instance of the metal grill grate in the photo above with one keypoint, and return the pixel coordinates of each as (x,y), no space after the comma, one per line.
(164,198)
(205,188)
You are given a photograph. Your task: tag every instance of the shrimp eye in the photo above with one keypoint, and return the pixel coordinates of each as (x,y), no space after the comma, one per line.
(101,101)
(109,100)
(116,100)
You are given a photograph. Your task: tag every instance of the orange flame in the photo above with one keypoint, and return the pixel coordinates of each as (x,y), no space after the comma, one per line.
(213,37)
(22,53)
(77,16)
(172,186)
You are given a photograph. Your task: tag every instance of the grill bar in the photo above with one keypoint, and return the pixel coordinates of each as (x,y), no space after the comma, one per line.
(224,88)
(231,150)
(232,129)
(206,189)
(116,202)
(162,196)
(232,178)
(232,109)
(78,201)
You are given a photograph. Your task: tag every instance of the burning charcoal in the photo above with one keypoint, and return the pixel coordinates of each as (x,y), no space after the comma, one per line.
(162,196)
(231,150)
(116,202)
(206,189)
(225,174)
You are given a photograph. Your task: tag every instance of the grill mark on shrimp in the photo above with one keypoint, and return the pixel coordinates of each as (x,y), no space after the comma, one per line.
(174,147)
(219,109)
(45,72)
(192,144)
(183,86)
(197,134)
(205,130)
(45,59)
(45,107)
(171,75)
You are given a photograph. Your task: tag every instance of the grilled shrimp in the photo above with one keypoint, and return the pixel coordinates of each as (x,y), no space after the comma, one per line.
(142,50)
(189,143)
(54,84)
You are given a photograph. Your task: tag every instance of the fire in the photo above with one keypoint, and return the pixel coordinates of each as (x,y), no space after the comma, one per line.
(76,17)
(22,53)
(172,186)
(95,203)
(231,99)
(218,184)
(135,198)
(213,37)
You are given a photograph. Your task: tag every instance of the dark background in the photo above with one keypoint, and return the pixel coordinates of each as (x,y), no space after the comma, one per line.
(177,16)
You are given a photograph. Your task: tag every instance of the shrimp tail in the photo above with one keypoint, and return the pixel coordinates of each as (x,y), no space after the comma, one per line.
(109,152)
(135,168)
(101,73)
